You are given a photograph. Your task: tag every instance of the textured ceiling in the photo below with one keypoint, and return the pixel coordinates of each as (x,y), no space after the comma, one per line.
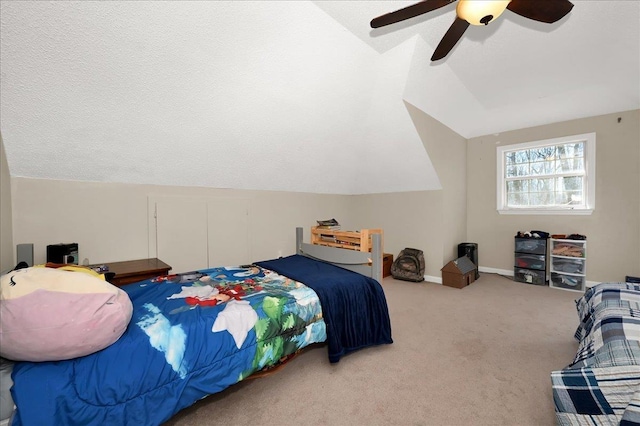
(292,96)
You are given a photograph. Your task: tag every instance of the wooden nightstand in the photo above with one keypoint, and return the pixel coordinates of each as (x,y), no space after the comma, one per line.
(132,271)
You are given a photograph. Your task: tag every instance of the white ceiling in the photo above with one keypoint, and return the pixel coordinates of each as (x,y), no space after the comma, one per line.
(293,96)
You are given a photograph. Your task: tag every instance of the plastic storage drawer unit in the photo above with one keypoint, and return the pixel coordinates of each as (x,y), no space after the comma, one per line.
(568,264)
(530,260)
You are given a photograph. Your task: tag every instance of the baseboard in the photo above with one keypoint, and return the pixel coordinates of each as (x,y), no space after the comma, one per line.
(433,279)
(438,280)
(507,272)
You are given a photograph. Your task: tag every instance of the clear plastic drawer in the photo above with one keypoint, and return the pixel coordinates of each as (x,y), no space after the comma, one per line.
(531,261)
(570,266)
(568,248)
(570,282)
(529,276)
(531,245)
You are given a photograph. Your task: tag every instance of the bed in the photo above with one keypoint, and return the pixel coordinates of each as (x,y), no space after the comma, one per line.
(184,343)
(602,384)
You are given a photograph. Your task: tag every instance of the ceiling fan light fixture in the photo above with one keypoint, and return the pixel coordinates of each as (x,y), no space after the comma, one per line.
(480,12)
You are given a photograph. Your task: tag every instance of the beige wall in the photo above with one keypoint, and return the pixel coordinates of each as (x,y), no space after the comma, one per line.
(448,152)
(432,221)
(409,219)
(7,259)
(612,231)
(110,222)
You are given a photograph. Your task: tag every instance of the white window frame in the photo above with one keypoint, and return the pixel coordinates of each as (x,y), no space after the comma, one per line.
(590,173)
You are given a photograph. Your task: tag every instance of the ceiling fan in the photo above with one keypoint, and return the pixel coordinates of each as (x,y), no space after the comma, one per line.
(476,12)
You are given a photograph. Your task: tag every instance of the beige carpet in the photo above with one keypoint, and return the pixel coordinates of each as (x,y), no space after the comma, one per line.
(474,356)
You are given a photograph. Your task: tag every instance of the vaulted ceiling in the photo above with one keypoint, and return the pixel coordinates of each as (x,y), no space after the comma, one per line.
(293,96)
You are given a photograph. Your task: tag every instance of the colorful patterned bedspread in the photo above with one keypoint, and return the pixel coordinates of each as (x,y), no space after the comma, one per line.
(191,335)
(602,385)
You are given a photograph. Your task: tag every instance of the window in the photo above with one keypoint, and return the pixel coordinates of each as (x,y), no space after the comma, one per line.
(554,176)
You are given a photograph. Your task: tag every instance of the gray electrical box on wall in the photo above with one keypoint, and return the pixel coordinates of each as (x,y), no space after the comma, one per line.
(24,253)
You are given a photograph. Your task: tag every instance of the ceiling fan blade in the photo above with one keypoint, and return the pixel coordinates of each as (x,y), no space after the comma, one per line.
(547,11)
(409,12)
(454,33)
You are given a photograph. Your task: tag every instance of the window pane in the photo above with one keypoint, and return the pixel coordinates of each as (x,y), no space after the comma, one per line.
(543,153)
(571,150)
(570,198)
(541,199)
(521,185)
(550,167)
(571,165)
(575,198)
(562,198)
(570,183)
(521,156)
(519,170)
(541,185)
(537,168)
(517,199)
(522,170)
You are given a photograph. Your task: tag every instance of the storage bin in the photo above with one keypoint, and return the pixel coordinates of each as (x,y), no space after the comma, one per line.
(571,266)
(529,276)
(569,282)
(531,245)
(568,248)
(532,261)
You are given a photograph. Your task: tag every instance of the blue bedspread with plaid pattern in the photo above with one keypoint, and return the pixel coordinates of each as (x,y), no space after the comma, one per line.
(602,384)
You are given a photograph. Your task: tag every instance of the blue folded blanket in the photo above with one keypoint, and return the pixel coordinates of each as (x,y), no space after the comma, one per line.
(354,306)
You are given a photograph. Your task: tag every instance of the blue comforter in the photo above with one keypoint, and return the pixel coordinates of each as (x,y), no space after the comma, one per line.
(179,347)
(354,306)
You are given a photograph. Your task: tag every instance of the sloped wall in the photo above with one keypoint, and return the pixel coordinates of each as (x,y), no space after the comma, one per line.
(7,260)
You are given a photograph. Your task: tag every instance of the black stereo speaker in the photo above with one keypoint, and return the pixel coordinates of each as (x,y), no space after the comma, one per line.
(63,253)
(471,251)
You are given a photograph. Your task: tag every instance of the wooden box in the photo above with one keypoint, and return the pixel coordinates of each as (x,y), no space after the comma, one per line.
(352,240)
(387,261)
(131,271)
(459,273)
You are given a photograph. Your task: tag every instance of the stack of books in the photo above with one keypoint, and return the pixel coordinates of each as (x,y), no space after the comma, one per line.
(330,224)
